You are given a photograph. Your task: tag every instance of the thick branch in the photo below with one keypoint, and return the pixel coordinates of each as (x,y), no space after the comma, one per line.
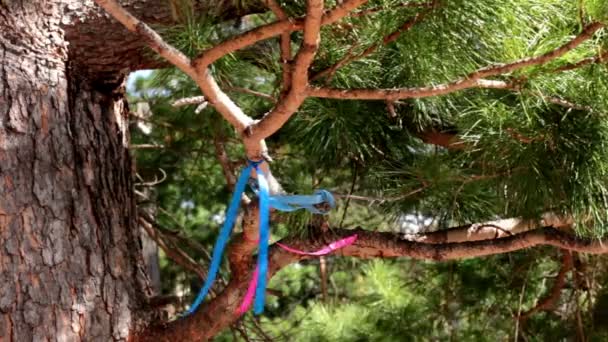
(472,80)
(491,230)
(268,31)
(155,41)
(222,103)
(221,311)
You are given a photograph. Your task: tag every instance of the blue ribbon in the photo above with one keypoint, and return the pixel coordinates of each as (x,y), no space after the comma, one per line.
(286,203)
(222,240)
(260,291)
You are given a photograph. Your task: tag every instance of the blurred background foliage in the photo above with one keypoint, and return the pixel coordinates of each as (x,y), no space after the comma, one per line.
(525,155)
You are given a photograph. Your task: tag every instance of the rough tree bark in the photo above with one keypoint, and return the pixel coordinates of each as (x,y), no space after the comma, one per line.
(70,262)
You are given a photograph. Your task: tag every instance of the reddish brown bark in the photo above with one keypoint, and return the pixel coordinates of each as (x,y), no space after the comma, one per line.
(220,312)
(71,266)
(443,139)
(550,300)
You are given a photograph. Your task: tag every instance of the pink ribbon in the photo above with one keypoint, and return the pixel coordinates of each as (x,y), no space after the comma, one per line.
(248,299)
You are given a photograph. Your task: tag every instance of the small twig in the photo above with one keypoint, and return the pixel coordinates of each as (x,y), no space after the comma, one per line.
(600,58)
(550,301)
(521,299)
(196,100)
(172,251)
(390,106)
(188,101)
(493,226)
(243,334)
(201,107)
(285,44)
(146,147)
(222,157)
(163,124)
(375,10)
(175,235)
(522,138)
(331,71)
(252,92)
(156,181)
(568,104)
(379,199)
(352,189)
(260,331)
(323,272)
(348,58)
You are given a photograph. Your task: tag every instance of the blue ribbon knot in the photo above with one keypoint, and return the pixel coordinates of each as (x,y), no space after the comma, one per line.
(318,203)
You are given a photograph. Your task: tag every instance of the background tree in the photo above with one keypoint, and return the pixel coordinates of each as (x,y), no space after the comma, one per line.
(450,130)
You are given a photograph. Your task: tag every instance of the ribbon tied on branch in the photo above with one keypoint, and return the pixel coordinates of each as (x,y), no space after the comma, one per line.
(319,203)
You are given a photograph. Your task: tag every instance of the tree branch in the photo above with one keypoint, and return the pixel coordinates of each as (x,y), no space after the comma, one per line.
(472,80)
(491,230)
(550,301)
(214,95)
(152,38)
(299,76)
(252,92)
(176,254)
(222,157)
(600,58)
(374,10)
(268,31)
(285,44)
(221,311)
(385,41)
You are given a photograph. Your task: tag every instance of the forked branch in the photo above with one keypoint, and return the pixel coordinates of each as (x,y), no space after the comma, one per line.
(290,103)
(268,31)
(214,95)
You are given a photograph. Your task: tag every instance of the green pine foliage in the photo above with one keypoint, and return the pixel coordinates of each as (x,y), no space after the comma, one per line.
(541,148)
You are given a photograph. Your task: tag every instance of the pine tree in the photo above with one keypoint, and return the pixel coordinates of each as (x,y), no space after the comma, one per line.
(447,129)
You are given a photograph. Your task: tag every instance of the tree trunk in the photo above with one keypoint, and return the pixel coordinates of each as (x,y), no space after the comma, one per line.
(70,251)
